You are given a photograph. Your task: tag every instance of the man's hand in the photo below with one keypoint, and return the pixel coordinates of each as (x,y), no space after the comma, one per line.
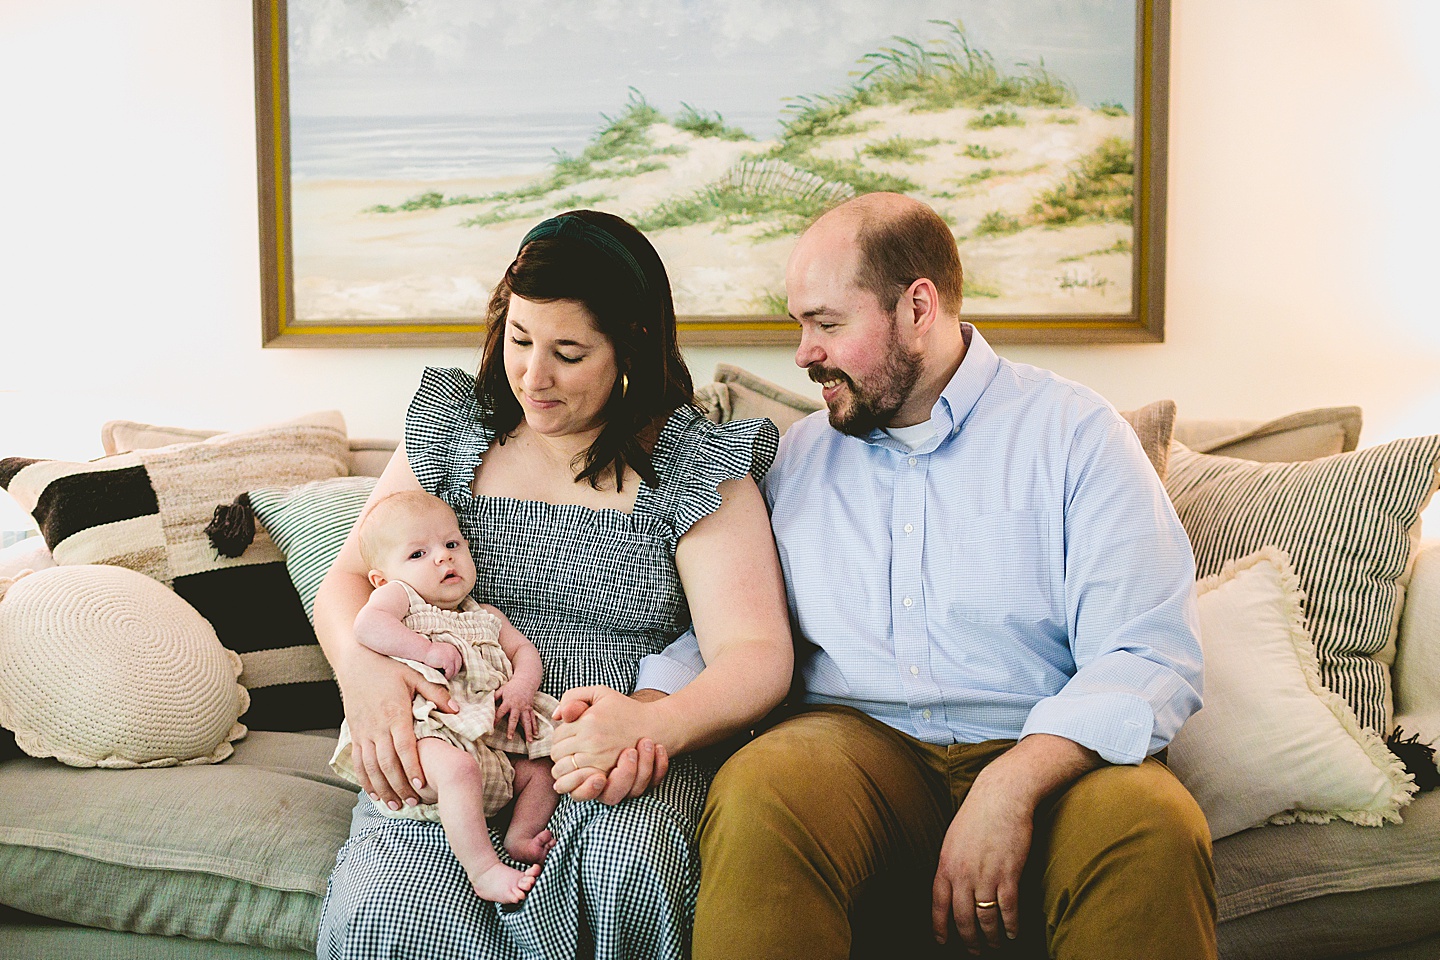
(637,769)
(978,882)
(444,657)
(977,886)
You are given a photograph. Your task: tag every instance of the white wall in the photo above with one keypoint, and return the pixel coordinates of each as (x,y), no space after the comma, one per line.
(1302,250)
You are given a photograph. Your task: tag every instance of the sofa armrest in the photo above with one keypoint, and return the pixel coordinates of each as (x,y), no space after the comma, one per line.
(1417,657)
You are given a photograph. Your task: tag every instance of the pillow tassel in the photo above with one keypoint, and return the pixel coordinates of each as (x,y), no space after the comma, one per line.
(233,528)
(1419,759)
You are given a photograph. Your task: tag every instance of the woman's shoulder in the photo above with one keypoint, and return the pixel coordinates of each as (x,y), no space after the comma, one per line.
(445,425)
(693,456)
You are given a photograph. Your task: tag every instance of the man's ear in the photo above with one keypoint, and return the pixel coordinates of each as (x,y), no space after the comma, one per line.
(919,306)
(377,579)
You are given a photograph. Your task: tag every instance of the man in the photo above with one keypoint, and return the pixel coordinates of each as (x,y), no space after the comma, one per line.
(995,604)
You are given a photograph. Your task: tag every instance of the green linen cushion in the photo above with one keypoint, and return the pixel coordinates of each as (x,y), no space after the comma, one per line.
(309,524)
(1350,523)
(238,852)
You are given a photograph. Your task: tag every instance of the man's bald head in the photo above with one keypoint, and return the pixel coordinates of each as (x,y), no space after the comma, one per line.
(897,241)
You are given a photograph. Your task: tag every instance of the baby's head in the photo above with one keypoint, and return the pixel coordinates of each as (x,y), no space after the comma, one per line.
(414,537)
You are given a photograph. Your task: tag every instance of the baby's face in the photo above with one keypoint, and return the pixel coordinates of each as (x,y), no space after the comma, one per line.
(431,556)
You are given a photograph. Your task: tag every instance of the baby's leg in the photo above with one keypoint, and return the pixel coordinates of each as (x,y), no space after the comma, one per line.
(527,838)
(460,789)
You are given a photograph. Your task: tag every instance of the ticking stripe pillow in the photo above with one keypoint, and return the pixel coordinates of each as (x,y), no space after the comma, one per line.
(309,524)
(1349,522)
(147,510)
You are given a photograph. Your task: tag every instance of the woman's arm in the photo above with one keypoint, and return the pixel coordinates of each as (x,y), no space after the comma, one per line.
(731,573)
(377,691)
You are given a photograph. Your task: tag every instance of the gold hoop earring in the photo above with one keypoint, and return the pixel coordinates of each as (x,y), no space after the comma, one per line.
(624,385)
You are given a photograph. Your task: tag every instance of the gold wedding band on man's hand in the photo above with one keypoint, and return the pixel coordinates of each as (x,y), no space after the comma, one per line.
(574,763)
(984,904)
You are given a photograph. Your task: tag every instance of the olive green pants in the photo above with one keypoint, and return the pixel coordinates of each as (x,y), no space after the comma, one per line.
(822,837)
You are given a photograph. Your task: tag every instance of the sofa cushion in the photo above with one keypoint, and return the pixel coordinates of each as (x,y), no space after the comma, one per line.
(238,851)
(309,524)
(1349,523)
(148,510)
(102,666)
(366,457)
(1271,867)
(1306,435)
(1271,743)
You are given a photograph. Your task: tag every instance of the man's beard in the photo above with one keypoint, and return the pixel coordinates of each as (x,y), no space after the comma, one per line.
(874,403)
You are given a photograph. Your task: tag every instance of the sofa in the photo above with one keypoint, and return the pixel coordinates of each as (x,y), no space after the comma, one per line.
(230,859)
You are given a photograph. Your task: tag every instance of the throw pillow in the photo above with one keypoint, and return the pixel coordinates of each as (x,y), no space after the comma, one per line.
(1154,424)
(1271,743)
(309,524)
(746,396)
(1349,523)
(148,509)
(101,666)
(367,456)
(1306,435)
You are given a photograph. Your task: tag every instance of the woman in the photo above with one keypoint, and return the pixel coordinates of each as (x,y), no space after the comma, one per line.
(605,515)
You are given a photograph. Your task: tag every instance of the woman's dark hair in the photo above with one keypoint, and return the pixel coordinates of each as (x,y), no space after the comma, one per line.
(608,267)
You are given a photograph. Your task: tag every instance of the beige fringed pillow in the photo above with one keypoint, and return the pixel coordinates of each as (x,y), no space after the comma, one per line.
(101,666)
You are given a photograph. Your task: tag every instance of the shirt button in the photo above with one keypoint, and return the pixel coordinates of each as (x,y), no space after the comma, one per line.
(909,528)
(914,671)
(912,461)
(909,602)
(926,714)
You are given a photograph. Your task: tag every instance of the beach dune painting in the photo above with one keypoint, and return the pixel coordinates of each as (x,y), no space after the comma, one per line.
(425,137)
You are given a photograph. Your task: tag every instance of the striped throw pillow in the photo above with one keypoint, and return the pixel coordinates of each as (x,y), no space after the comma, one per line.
(1349,522)
(147,510)
(309,524)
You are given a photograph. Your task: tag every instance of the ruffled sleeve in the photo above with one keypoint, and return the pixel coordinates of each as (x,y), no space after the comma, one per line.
(444,431)
(694,456)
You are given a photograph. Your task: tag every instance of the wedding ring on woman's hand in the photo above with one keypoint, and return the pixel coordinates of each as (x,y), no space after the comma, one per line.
(984,904)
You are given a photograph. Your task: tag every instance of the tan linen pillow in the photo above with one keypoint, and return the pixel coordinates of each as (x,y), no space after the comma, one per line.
(367,456)
(1154,424)
(740,395)
(1306,435)
(101,666)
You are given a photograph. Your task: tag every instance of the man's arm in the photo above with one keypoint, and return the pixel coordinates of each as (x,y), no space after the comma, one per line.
(672,668)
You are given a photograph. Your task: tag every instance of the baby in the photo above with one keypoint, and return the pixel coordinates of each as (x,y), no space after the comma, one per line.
(421,613)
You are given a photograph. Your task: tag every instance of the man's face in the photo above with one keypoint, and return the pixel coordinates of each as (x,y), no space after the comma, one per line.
(848,343)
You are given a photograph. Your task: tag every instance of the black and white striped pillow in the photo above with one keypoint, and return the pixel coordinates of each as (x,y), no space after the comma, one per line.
(309,524)
(1349,522)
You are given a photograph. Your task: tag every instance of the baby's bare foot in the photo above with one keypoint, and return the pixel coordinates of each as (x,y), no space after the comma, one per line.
(531,850)
(502,884)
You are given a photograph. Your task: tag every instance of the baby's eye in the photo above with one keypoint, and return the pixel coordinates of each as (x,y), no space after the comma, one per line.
(417,554)
(453,544)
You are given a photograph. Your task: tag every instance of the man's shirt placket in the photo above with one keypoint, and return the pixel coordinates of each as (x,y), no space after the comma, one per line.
(907,596)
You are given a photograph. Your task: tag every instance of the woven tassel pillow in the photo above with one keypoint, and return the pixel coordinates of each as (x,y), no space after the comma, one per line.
(101,666)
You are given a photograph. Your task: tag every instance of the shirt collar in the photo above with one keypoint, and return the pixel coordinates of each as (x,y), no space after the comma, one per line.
(958,398)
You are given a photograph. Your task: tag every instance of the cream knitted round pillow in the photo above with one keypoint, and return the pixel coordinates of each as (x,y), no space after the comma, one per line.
(103,666)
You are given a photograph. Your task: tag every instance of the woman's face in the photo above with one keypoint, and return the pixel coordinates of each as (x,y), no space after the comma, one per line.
(560,366)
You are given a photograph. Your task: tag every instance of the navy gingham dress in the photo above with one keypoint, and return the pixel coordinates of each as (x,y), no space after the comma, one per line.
(594,590)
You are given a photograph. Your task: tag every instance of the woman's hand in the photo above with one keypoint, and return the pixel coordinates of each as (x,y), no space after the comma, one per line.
(378,702)
(595,723)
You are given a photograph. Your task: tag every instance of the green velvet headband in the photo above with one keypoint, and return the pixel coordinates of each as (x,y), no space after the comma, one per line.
(575,228)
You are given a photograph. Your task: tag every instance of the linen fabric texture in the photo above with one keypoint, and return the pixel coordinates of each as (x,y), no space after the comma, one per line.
(102,666)
(1272,744)
(1350,525)
(594,590)
(965,589)
(475,632)
(147,510)
(1304,435)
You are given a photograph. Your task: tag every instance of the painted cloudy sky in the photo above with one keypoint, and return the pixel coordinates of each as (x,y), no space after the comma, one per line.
(741,57)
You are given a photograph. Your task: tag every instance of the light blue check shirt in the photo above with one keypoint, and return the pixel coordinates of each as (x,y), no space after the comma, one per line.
(1021,571)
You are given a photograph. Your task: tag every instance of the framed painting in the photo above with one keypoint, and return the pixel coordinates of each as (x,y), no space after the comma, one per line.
(406,147)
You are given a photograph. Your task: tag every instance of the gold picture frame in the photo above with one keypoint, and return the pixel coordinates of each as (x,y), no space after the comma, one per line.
(1143,239)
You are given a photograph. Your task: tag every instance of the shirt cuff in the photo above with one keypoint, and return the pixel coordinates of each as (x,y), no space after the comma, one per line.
(659,672)
(1115,725)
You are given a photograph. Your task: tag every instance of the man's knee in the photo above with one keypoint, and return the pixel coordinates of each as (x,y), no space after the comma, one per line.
(1143,808)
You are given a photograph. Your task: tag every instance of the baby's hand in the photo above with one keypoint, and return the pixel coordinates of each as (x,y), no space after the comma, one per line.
(445,658)
(518,703)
